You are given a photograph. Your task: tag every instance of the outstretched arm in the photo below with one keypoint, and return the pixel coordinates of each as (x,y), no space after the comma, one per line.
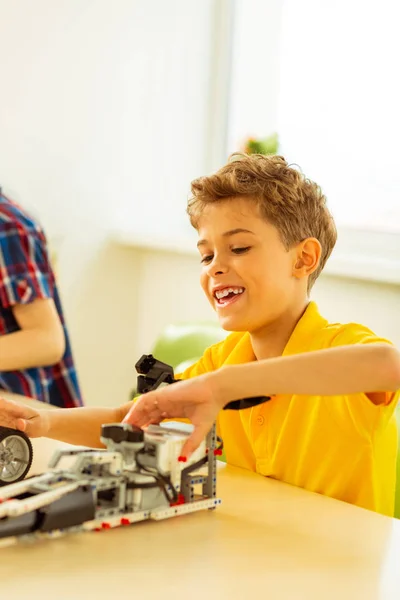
(79,426)
(365,368)
(373,369)
(82,426)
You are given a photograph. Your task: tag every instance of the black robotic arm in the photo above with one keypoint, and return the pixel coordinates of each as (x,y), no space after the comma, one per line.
(153,372)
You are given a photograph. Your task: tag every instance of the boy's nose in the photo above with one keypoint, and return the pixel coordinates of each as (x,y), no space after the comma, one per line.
(217,268)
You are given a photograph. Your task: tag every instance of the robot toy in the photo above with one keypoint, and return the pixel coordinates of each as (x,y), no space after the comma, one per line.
(139,475)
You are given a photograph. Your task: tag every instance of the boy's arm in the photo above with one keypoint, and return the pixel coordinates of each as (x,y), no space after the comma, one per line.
(372,369)
(79,426)
(40,340)
(82,426)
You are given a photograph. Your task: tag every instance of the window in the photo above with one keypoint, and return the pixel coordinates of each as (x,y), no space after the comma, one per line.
(339,104)
(324,76)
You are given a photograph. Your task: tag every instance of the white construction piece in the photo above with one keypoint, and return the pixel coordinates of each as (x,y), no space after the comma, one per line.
(139,476)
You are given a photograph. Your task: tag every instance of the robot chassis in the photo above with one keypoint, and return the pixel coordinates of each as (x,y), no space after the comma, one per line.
(140,475)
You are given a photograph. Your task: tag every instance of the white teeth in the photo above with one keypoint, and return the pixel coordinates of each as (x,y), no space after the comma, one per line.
(225,292)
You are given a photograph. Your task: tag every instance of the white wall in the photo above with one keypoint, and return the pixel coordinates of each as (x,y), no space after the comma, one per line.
(375,305)
(103,107)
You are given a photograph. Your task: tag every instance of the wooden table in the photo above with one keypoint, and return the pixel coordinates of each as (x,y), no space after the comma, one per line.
(267,540)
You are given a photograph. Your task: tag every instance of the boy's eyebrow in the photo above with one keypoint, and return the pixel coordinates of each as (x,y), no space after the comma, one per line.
(227,234)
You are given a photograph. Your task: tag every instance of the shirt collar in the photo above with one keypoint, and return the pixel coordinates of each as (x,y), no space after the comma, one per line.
(307,326)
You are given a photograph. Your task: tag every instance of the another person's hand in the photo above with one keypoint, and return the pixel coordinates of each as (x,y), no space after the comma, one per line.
(193,399)
(23,418)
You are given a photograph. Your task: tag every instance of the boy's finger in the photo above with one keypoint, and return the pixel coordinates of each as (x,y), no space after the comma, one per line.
(127,417)
(194,441)
(22,425)
(28,427)
(134,417)
(145,410)
(134,414)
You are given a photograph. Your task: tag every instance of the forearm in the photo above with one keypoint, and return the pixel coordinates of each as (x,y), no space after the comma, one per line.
(30,348)
(82,426)
(342,370)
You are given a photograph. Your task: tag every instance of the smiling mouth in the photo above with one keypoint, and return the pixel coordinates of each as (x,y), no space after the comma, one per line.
(228,295)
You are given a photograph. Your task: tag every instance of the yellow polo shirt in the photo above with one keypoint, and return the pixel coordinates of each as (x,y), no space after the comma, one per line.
(344,447)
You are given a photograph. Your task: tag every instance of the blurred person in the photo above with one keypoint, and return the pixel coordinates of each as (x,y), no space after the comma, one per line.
(35,352)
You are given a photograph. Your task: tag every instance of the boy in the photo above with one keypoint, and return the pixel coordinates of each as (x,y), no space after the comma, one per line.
(35,353)
(264,236)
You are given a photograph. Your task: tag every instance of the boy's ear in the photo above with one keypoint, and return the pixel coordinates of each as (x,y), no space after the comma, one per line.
(307,257)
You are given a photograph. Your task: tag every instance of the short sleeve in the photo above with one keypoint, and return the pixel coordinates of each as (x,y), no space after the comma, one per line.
(25,272)
(356,334)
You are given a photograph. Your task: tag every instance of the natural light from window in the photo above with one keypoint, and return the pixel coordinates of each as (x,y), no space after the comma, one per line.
(325,76)
(338,108)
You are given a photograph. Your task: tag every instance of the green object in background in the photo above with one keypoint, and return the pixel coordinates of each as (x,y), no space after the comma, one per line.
(186,342)
(268,145)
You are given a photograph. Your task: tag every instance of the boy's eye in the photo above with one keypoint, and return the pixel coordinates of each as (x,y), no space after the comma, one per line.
(241,250)
(207,259)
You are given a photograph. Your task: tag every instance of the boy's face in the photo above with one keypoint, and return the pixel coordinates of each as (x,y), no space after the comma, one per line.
(247,273)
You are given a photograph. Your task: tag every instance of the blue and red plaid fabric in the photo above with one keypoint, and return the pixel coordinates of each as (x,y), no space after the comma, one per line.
(26,274)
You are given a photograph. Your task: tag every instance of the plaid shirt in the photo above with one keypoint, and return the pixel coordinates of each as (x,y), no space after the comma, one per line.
(26,274)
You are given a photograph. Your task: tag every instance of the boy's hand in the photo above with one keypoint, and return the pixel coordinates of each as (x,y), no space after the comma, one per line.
(16,416)
(193,399)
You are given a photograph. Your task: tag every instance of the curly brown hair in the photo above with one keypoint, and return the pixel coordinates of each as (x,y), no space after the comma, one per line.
(288,200)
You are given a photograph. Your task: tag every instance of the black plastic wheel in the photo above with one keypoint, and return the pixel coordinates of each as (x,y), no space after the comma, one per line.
(16,454)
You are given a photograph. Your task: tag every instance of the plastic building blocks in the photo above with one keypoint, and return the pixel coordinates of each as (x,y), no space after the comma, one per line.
(152,373)
(137,477)
(140,475)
